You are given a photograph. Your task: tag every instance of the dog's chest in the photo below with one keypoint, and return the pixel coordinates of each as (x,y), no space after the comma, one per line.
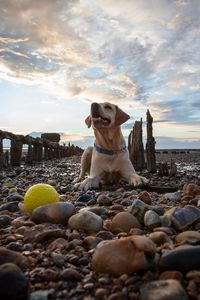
(110,164)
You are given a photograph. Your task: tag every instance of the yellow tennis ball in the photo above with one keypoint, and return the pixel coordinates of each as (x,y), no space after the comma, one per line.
(38,195)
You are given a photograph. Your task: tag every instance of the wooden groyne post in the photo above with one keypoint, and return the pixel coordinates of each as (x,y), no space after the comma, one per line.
(136,147)
(150,145)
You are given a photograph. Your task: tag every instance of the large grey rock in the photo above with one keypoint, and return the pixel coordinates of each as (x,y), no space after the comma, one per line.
(86,221)
(169,289)
(183,218)
(57,213)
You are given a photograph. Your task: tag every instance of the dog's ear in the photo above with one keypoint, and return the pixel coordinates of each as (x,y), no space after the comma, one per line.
(121,117)
(88,121)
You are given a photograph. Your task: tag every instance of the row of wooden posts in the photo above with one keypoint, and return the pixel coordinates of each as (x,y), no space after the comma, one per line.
(45,148)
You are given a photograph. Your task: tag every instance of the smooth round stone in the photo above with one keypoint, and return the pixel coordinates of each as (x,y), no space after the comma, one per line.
(190,236)
(13,283)
(5,220)
(181,259)
(123,256)
(104,200)
(86,221)
(123,222)
(151,219)
(57,213)
(70,275)
(169,289)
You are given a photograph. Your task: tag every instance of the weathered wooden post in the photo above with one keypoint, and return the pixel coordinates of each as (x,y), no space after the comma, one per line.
(16,151)
(150,145)
(136,147)
(1,153)
(37,149)
(29,156)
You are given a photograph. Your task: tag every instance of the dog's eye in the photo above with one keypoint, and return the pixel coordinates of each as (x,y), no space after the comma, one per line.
(107,107)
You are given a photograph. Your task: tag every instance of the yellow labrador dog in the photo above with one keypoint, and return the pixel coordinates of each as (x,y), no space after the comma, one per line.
(109,154)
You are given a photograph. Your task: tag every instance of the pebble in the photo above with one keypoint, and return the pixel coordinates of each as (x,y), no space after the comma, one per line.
(182,218)
(70,274)
(145,197)
(5,220)
(96,210)
(40,295)
(159,237)
(104,200)
(12,276)
(123,256)
(10,256)
(191,189)
(123,222)
(151,219)
(10,206)
(105,235)
(84,198)
(190,237)
(169,289)
(138,209)
(90,242)
(58,244)
(181,259)
(86,221)
(176,197)
(57,213)
(14,196)
(171,275)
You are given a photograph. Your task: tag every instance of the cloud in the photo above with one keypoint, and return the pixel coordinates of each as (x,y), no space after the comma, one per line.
(133,53)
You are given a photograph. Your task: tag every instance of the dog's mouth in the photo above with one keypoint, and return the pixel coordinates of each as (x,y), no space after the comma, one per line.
(99,120)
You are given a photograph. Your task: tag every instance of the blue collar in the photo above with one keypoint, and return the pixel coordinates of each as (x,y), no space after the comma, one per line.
(109,152)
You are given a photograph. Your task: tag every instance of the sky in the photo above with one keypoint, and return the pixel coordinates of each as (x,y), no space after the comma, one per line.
(58,56)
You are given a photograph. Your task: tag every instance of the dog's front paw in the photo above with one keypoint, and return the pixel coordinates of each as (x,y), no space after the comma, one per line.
(88,184)
(77,179)
(137,180)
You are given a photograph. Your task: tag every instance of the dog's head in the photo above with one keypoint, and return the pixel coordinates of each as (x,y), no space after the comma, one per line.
(106,115)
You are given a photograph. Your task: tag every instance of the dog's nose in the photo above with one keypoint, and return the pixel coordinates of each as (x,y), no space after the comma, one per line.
(94,107)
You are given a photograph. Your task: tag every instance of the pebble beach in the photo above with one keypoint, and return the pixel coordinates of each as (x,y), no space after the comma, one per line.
(116,243)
